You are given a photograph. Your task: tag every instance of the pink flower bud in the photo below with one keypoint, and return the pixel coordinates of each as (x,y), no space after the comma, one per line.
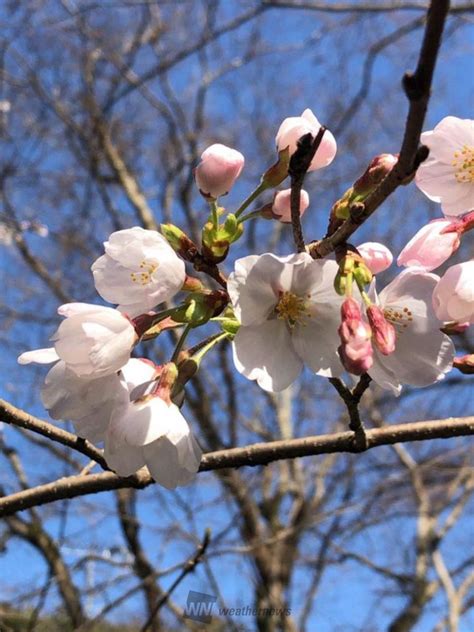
(377,257)
(432,245)
(356,360)
(453,296)
(219,168)
(350,310)
(294,127)
(281,208)
(378,169)
(356,350)
(382,331)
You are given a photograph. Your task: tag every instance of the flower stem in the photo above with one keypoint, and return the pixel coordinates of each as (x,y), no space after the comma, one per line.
(251,215)
(215,218)
(205,346)
(179,346)
(263,186)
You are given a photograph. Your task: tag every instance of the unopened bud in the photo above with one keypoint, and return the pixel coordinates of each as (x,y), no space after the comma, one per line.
(383,332)
(219,168)
(356,350)
(377,257)
(377,170)
(356,360)
(191,284)
(179,241)
(199,308)
(281,207)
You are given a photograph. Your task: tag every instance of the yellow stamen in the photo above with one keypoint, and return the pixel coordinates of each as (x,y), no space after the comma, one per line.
(143,278)
(400,319)
(463,163)
(292,308)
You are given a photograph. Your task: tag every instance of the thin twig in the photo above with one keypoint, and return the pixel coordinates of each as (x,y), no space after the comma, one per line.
(188,568)
(299,165)
(417,88)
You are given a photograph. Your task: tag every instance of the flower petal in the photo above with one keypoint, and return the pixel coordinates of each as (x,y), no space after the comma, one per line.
(316,343)
(265,353)
(39,356)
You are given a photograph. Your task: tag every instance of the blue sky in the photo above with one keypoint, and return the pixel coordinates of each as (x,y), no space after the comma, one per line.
(324,74)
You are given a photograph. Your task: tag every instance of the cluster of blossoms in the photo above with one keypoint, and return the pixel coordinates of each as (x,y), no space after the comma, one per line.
(280,313)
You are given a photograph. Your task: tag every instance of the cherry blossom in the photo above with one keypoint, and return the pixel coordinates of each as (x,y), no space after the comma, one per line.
(447,175)
(289,314)
(219,168)
(88,403)
(423,354)
(294,127)
(431,246)
(151,432)
(453,297)
(138,271)
(93,340)
(377,257)
(281,207)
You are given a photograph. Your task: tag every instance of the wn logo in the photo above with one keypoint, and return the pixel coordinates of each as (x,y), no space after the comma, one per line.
(199,607)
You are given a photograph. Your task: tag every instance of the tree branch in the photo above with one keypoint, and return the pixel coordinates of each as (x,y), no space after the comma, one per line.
(16,417)
(252,455)
(417,88)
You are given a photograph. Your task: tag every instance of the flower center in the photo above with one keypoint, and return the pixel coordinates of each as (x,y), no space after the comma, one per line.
(291,308)
(146,270)
(463,163)
(399,318)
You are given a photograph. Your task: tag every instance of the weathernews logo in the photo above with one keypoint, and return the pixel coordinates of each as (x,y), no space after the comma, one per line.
(199,606)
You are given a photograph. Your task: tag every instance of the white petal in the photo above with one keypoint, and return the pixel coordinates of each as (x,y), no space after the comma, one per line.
(72,309)
(39,356)
(92,427)
(265,353)
(412,289)
(173,460)
(250,287)
(141,422)
(419,359)
(316,343)
(138,371)
(162,462)
(383,376)
(124,459)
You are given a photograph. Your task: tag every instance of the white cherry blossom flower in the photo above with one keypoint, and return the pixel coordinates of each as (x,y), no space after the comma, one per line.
(93,341)
(151,432)
(88,403)
(289,315)
(423,354)
(138,271)
(447,175)
(453,297)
